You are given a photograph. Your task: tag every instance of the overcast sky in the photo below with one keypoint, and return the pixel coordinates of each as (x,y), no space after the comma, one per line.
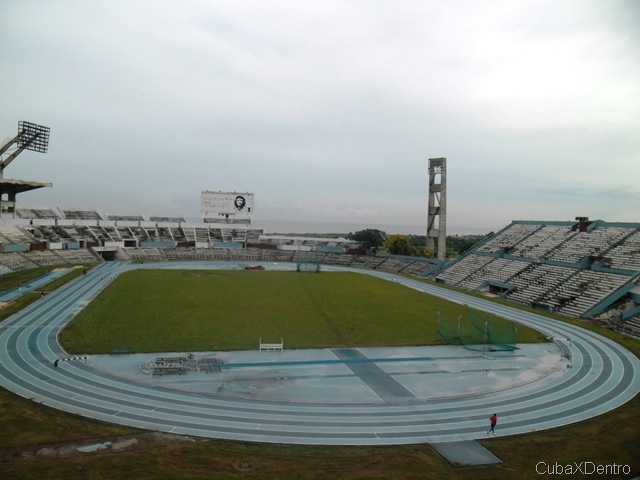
(329,110)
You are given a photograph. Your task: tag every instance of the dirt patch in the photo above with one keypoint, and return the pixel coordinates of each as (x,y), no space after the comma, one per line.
(96,446)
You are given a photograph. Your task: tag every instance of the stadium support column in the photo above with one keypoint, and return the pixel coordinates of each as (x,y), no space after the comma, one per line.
(437,209)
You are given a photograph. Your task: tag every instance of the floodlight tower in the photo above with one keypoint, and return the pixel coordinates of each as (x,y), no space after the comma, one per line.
(30,137)
(437,209)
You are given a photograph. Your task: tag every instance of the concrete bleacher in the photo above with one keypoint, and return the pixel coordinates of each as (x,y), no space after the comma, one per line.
(250,253)
(164,234)
(268,255)
(38,213)
(111,233)
(630,327)
(202,235)
(125,233)
(338,259)
(140,233)
(569,268)
(534,281)
(189,234)
(394,264)
(14,261)
(626,255)
(125,218)
(80,214)
(541,241)
(40,233)
(215,234)
(367,261)
(44,258)
(167,219)
(80,255)
(178,235)
(582,291)
(91,228)
(419,267)
(144,254)
(15,235)
(238,236)
(462,269)
(100,234)
(325,245)
(497,269)
(151,233)
(586,244)
(508,237)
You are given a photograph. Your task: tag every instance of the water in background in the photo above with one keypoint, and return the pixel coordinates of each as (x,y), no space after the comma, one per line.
(296,227)
(284,226)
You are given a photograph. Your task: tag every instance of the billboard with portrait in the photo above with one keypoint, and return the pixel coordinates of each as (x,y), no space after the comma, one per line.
(227,207)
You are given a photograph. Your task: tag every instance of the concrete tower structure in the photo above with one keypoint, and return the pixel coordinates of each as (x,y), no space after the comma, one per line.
(437,210)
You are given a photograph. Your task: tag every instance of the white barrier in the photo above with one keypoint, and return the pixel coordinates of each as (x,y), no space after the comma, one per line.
(70,359)
(271,346)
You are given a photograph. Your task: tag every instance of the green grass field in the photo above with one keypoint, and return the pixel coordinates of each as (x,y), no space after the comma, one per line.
(172,310)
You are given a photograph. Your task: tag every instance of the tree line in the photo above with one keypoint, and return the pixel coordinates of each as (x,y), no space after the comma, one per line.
(374,241)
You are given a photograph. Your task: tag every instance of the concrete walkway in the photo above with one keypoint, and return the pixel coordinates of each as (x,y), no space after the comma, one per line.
(393,375)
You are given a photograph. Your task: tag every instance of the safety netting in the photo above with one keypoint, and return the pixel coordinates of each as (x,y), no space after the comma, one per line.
(478,331)
(308,263)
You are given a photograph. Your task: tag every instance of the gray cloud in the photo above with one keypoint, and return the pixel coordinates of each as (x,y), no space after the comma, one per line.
(329,110)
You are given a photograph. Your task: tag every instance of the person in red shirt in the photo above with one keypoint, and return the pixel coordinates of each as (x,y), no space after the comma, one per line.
(493,421)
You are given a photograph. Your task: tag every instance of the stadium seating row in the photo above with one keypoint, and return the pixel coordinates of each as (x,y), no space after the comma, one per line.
(508,237)
(14,261)
(567,268)
(100,235)
(630,327)
(583,291)
(585,244)
(626,255)
(22,260)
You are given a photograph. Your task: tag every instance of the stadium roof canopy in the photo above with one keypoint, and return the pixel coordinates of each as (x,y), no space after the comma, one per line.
(13,187)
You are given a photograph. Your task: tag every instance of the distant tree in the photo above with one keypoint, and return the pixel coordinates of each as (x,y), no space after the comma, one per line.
(457,245)
(370,238)
(418,241)
(400,245)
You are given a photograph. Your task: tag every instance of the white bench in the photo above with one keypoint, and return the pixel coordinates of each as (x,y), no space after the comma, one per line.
(271,346)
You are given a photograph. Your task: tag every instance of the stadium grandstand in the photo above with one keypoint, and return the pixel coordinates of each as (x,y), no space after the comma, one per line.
(581,269)
(47,236)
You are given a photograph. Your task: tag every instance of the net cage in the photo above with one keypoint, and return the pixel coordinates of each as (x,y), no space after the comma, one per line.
(479,331)
(308,263)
